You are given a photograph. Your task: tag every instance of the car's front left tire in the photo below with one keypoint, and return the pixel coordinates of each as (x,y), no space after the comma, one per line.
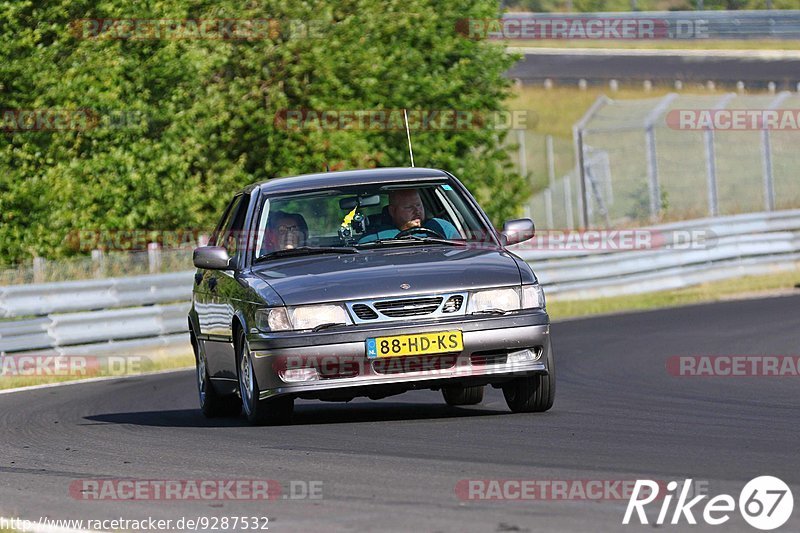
(533,394)
(272,411)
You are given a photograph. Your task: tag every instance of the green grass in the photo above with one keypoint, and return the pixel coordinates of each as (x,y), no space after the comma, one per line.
(707,292)
(663,44)
(150,365)
(557,109)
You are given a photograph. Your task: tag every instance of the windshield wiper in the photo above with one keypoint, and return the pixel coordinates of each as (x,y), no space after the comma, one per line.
(411,239)
(307,250)
(437,240)
(390,241)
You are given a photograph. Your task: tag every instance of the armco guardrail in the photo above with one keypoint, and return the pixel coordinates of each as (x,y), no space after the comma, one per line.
(756,243)
(44,298)
(71,331)
(127,316)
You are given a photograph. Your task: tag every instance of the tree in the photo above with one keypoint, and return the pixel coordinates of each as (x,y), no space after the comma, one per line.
(177,125)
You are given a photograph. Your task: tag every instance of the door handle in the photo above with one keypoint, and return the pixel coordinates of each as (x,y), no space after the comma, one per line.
(212,283)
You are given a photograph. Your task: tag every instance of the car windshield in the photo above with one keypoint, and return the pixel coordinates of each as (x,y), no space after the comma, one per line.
(351,219)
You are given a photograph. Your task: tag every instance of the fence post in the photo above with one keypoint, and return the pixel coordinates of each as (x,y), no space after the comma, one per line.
(523,161)
(652,172)
(568,203)
(154,257)
(652,157)
(711,160)
(711,173)
(577,138)
(766,156)
(551,180)
(39,265)
(99,263)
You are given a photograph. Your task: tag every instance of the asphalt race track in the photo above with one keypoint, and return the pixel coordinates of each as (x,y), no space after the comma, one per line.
(394,464)
(595,67)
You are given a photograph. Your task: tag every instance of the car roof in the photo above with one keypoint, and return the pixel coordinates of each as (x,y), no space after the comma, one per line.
(345,178)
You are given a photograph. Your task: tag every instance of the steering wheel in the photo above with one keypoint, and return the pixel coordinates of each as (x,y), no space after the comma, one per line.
(421,229)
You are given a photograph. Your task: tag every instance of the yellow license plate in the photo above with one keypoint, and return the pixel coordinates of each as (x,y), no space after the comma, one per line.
(419,344)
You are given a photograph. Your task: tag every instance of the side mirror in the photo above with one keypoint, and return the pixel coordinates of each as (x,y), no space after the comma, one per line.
(211,257)
(516,231)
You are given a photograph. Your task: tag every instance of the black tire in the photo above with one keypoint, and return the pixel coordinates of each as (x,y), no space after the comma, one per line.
(272,411)
(534,394)
(458,395)
(211,403)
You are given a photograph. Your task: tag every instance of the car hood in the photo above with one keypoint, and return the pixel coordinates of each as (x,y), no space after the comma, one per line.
(380,273)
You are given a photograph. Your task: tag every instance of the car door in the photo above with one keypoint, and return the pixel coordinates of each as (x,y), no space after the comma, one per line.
(220,288)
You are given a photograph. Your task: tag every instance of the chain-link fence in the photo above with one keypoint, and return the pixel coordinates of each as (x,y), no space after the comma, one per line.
(677,158)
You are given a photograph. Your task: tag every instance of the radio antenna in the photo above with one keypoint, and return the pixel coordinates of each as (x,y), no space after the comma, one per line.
(408,136)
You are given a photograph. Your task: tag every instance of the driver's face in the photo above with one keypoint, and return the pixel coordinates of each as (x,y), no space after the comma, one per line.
(406,209)
(289,234)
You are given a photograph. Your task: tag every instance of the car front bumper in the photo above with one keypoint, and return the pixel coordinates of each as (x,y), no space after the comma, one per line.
(343,370)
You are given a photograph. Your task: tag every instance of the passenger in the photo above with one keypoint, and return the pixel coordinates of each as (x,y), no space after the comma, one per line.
(285,231)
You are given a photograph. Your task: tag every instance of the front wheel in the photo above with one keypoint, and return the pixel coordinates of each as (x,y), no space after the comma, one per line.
(211,403)
(534,394)
(272,411)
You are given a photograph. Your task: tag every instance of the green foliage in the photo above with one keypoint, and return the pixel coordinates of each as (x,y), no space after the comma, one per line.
(182,124)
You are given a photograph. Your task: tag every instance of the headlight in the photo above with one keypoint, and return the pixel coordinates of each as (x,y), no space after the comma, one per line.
(273,319)
(311,316)
(493,299)
(533,297)
(301,317)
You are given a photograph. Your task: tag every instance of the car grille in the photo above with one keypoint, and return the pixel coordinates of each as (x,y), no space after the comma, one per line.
(409,307)
(427,306)
(364,312)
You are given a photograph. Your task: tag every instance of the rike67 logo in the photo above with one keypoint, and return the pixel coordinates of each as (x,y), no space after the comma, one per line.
(765,503)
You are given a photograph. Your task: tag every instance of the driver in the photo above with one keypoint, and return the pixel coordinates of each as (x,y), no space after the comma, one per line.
(407,212)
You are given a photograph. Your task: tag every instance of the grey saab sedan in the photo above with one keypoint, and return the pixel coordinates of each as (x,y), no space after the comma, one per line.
(365,283)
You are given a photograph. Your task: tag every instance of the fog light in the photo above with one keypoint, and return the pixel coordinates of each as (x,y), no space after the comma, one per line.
(524,356)
(297,375)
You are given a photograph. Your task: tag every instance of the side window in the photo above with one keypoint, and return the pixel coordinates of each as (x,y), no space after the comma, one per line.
(224,222)
(232,236)
(229,232)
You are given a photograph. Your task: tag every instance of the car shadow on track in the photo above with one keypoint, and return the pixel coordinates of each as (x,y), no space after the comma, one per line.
(305,414)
